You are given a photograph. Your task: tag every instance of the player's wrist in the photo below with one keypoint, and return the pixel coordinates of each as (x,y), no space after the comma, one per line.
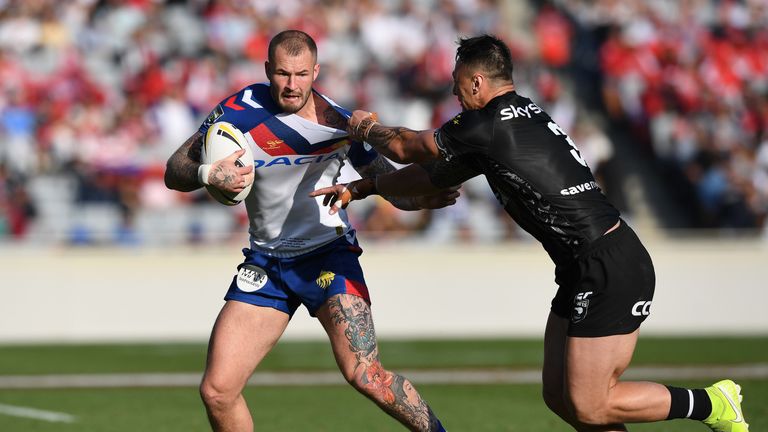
(203,174)
(368,127)
(362,129)
(363,188)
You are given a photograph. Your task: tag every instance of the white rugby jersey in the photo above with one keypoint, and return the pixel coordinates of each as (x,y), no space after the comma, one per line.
(292,157)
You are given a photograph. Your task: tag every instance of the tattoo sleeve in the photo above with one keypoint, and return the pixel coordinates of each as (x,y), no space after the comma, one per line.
(181,168)
(381,136)
(381,166)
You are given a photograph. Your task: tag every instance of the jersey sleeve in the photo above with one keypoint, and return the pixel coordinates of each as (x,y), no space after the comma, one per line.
(361,154)
(245,109)
(463,135)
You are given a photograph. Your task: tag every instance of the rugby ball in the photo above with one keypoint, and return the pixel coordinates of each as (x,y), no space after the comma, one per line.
(221,140)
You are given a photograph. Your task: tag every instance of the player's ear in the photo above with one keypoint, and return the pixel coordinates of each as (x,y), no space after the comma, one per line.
(266,68)
(315,71)
(477,81)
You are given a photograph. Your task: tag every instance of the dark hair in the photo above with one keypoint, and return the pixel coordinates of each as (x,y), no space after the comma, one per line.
(487,53)
(294,42)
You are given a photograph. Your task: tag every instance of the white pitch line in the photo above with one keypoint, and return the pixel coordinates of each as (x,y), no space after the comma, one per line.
(37,414)
(459,376)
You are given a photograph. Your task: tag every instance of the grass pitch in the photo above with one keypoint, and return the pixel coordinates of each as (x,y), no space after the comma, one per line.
(491,407)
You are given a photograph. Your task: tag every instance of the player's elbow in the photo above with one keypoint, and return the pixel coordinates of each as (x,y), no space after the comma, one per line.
(169,179)
(402,154)
(174,181)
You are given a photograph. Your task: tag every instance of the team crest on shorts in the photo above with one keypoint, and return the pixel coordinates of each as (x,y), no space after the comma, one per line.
(325,279)
(580,306)
(251,278)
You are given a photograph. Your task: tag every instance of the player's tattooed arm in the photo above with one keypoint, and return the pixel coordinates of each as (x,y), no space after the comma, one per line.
(421,194)
(407,189)
(400,144)
(181,168)
(381,166)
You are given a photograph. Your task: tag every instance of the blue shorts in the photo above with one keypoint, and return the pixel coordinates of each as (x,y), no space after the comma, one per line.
(309,279)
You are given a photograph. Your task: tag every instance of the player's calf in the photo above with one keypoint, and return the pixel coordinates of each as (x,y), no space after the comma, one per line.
(395,395)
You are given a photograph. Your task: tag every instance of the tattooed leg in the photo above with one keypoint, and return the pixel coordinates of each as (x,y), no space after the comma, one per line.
(347,319)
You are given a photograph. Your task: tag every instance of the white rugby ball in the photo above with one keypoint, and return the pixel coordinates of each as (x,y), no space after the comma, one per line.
(221,140)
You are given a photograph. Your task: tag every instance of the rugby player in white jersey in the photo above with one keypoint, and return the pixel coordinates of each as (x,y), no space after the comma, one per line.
(298,254)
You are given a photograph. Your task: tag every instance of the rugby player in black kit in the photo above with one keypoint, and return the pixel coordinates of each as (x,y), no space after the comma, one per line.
(605,276)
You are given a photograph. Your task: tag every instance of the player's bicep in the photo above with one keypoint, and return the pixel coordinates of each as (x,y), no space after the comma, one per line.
(445,174)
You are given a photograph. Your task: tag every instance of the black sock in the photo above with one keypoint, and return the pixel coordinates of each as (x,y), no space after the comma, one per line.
(689,403)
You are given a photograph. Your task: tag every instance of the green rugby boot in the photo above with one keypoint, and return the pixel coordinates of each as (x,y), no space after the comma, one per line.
(726,408)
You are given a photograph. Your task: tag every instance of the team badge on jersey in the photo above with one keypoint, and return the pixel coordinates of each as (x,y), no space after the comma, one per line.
(325,279)
(214,115)
(251,278)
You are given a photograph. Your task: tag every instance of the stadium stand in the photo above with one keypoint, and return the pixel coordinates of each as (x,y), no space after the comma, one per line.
(85,86)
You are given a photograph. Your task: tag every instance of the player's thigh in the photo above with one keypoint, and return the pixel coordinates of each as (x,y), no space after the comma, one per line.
(242,336)
(595,364)
(553,372)
(348,321)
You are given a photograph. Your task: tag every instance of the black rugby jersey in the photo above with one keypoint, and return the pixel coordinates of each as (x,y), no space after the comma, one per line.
(533,168)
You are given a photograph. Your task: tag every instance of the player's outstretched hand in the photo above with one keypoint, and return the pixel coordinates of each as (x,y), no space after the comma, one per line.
(226,176)
(360,123)
(446,197)
(340,195)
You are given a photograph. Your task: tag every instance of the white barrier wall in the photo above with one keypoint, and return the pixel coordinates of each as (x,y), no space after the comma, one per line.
(703,287)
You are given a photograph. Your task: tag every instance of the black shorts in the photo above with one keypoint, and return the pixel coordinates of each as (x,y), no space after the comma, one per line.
(609,288)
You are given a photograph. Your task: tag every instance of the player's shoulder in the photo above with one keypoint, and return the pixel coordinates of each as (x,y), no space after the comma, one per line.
(467,122)
(344,111)
(246,108)
(254,96)
(512,107)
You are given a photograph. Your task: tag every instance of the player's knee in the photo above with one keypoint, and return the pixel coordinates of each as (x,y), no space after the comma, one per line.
(216,396)
(554,399)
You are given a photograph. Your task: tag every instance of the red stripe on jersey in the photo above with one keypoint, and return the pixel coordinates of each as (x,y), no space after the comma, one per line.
(231,104)
(357,288)
(269,142)
(332,147)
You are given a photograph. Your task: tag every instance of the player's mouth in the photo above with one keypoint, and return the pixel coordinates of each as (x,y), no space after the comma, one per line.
(291,96)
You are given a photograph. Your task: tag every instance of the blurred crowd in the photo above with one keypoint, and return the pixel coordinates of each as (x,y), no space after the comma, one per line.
(96,94)
(689,78)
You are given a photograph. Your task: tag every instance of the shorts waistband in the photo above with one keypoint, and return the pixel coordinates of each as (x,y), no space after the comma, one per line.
(622,231)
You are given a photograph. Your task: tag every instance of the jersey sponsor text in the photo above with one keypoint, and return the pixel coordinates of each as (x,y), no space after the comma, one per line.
(573,190)
(302,160)
(515,111)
